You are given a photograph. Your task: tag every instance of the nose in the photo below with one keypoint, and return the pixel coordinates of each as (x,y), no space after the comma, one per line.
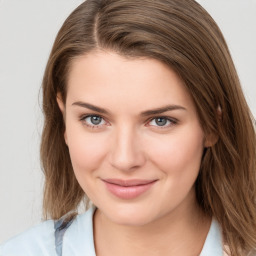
(127,151)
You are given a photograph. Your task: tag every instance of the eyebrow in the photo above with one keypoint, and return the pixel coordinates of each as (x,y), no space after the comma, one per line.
(91,107)
(144,113)
(162,110)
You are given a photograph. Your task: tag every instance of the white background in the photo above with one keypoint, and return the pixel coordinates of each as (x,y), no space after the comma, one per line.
(27,31)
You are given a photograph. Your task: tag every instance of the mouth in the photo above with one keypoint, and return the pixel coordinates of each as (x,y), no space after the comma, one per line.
(128,189)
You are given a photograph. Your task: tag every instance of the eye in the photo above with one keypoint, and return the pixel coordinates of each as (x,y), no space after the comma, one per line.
(93,121)
(162,122)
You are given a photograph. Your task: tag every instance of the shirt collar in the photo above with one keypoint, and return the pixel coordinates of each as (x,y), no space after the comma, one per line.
(213,242)
(79,237)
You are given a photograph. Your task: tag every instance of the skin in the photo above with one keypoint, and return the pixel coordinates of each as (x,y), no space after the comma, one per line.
(126,144)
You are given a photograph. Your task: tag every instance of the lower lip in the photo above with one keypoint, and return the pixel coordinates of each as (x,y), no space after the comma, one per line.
(128,192)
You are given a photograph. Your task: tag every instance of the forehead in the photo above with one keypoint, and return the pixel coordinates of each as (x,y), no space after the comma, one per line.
(108,77)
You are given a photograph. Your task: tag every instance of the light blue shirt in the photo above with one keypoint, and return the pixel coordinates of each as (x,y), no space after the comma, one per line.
(78,240)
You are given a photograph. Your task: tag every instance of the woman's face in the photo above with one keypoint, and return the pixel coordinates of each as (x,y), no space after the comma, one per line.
(134,137)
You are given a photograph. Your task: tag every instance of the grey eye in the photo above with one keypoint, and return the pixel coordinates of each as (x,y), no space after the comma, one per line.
(95,120)
(161,121)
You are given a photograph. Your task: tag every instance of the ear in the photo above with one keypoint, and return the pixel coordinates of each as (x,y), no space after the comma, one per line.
(63,111)
(210,140)
(60,103)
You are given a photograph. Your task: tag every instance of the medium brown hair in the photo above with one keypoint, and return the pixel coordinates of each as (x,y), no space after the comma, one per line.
(181,34)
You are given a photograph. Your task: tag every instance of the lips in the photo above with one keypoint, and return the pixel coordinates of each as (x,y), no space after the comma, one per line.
(128,189)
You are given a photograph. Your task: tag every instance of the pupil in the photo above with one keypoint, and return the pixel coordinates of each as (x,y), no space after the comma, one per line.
(161,121)
(95,120)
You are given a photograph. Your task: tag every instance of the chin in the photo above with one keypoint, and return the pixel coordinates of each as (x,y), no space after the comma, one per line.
(131,221)
(131,216)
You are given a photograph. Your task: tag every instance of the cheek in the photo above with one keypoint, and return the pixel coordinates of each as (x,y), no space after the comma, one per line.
(179,153)
(86,151)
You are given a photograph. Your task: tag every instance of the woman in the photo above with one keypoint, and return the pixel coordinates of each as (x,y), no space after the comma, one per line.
(146,122)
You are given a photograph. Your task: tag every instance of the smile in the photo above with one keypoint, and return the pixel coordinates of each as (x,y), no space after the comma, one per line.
(128,189)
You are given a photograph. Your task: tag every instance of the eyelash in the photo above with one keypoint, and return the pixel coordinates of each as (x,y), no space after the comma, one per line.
(83,119)
(172,121)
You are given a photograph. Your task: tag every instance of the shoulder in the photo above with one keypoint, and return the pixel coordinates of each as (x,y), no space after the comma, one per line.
(38,240)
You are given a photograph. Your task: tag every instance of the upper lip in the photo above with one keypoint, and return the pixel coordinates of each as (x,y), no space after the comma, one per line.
(128,183)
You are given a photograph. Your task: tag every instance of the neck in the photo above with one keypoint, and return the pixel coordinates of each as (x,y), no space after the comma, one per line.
(180,233)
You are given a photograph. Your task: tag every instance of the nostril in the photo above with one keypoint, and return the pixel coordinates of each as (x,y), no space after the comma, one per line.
(127,161)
